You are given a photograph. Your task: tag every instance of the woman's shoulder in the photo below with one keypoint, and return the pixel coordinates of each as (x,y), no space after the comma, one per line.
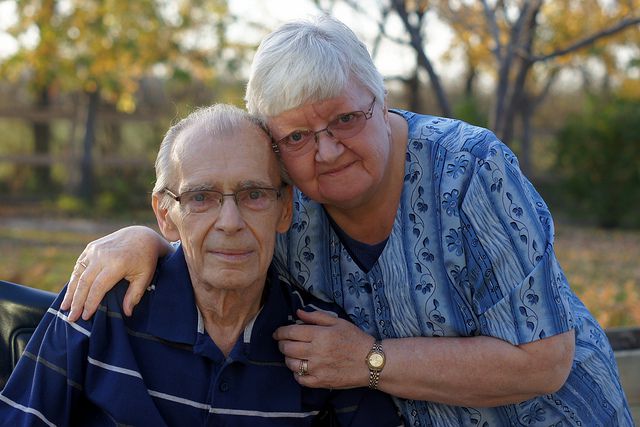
(452,135)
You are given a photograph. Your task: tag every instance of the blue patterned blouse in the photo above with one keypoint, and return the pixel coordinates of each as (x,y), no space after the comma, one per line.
(471,253)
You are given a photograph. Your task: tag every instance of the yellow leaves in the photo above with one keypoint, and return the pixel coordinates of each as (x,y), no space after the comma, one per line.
(602,268)
(113,43)
(630,89)
(126,103)
(90,86)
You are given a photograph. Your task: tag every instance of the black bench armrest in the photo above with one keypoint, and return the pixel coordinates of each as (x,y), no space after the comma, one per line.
(21,309)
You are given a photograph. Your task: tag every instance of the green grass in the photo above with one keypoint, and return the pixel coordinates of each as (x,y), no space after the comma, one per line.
(38,258)
(602,266)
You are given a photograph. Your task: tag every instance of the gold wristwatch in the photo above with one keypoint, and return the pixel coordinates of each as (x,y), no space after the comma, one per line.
(375,361)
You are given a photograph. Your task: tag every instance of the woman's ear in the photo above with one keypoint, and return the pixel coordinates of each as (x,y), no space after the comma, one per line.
(286,214)
(385,106)
(165,222)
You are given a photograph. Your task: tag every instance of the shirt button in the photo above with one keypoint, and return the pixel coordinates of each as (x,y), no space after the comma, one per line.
(224,386)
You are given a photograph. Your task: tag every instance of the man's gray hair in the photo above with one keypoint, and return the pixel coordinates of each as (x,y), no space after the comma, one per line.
(212,122)
(308,61)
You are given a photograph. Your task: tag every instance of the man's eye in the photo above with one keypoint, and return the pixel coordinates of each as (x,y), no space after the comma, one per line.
(200,197)
(255,194)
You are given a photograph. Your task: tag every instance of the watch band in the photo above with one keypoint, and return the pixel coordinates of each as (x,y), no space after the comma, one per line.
(374,373)
(374,377)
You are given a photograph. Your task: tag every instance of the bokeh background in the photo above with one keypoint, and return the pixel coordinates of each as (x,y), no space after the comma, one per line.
(88,88)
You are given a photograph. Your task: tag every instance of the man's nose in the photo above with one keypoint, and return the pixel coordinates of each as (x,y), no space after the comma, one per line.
(229,217)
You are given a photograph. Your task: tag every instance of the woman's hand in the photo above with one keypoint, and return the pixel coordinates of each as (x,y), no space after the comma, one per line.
(335,351)
(130,253)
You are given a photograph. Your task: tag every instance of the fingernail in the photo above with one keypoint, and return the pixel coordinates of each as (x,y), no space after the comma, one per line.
(71,314)
(85,314)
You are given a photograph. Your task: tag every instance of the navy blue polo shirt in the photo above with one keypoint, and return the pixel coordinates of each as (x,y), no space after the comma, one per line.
(159,367)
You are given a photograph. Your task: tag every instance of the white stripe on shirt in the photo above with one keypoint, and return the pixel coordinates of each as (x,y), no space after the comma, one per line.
(114,368)
(72,324)
(27,410)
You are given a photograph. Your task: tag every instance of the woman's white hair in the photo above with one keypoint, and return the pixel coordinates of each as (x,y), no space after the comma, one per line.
(308,61)
(212,122)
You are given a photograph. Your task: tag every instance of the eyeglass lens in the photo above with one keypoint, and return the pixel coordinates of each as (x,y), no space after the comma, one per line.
(342,127)
(249,199)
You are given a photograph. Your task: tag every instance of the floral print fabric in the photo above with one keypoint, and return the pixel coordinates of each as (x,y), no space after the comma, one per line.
(470,253)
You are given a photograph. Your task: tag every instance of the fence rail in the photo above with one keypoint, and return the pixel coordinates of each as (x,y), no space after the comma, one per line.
(46,160)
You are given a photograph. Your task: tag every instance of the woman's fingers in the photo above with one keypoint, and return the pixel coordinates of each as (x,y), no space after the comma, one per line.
(83,283)
(130,253)
(135,291)
(78,269)
(317,317)
(334,349)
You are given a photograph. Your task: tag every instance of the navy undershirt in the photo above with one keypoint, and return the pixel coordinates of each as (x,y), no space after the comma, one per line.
(363,254)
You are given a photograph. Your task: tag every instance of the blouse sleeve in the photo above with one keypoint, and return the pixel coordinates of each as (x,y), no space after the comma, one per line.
(519,292)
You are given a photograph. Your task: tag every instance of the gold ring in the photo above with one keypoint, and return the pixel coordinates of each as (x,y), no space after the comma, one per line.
(303,368)
(82,264)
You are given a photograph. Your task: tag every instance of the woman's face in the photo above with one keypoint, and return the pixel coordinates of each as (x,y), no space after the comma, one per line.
(341,172)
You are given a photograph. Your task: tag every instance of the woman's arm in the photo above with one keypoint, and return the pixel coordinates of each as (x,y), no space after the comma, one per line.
(463,371)
(130,253)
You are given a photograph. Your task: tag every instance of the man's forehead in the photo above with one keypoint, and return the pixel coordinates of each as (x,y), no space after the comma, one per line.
(233,157)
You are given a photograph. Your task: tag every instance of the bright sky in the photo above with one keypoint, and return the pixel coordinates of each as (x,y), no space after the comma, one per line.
(392,59)
(7,18)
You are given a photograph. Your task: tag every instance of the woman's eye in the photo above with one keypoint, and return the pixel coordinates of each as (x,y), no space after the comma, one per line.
(346,118)
(296,137)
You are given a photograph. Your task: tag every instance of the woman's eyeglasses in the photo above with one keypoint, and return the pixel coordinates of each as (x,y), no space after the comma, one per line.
(344,126)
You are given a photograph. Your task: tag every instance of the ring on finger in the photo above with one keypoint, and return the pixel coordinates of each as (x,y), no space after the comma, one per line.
(303,368)
(82,263)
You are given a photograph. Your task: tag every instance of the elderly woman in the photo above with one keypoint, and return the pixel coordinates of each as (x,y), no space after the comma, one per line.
(426,232)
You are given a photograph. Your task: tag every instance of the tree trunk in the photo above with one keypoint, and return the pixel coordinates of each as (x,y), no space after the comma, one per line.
(525,158)
(42,142)
(86,178)
(417,43)
(413,88)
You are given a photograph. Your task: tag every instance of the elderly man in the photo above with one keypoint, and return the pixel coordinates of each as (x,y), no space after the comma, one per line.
(199,350)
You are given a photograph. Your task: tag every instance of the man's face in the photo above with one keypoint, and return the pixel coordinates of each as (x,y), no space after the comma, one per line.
(229,247)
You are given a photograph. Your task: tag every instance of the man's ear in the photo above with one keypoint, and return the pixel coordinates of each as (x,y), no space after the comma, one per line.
(165,223)
(284,222)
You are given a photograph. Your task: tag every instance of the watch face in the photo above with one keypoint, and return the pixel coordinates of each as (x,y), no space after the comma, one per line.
(376,360)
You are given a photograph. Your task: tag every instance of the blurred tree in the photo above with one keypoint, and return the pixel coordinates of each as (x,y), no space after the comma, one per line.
(599,158)
(528,43)
(521,44)
(103,48)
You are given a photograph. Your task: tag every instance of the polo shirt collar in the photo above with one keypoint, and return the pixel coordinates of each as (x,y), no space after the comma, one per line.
(275,312)
(173,314)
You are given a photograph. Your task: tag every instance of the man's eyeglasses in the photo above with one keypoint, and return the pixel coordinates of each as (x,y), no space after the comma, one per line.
(344,126)
(253,199)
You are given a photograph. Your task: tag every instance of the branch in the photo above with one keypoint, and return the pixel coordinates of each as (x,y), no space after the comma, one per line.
(380,23)
(625,23)
(423,60)
(540,97)
(490,16)
(381,33)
